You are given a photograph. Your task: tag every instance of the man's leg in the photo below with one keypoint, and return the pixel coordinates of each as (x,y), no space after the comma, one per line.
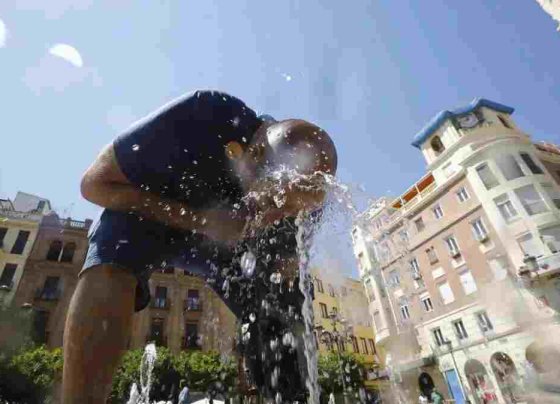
(96,333)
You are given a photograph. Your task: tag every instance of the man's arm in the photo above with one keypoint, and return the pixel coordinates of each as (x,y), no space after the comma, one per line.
(104,184)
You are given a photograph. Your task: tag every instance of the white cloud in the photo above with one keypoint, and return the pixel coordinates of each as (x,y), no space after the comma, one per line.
(68,53)
(3,34)
(55,73)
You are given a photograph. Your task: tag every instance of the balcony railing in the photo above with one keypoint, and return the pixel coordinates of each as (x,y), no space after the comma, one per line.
(7,285)
(161,304)
(193,304)
(191,342)
(159,340)
(14,214)
(48,295)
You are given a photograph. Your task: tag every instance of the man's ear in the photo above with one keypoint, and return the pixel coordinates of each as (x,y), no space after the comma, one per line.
(233,150)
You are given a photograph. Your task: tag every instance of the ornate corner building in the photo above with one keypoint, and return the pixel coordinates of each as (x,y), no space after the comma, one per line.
(462,270)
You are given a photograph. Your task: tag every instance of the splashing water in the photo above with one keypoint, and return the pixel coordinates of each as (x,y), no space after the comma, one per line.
(146,368)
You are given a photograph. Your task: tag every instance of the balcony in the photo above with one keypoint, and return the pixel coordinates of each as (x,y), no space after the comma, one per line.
(193,304)
(47,294)
(9,285)
(539,269)
(158,339)
(191,343)
(160,304)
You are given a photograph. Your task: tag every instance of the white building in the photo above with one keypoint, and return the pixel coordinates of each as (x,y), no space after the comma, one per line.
(442,262)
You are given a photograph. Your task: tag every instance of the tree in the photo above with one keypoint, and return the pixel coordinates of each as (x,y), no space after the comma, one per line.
(332,365)
(200,370)
(29,375)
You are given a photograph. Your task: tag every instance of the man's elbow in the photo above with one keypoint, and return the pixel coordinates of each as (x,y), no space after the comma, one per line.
(90,189)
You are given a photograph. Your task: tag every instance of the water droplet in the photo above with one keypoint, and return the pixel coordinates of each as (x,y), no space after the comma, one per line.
(276,277)
(135,147)
(195,162)
(252,317)
(182,212)
(248,264)
(244,139)
(203,221)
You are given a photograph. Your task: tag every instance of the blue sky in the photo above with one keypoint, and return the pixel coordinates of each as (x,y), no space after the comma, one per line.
(372,73)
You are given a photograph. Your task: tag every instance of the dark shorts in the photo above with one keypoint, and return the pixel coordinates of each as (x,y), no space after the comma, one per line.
(142,247)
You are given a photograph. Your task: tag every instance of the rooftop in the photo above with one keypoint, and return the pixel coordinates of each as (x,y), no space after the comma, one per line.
(442,116)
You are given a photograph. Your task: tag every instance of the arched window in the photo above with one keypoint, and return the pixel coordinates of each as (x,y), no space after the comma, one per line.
(54,250)
(437,145)
(68,252)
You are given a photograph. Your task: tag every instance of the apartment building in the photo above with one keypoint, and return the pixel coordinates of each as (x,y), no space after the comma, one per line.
(461,269)
(344,306)
(19,223)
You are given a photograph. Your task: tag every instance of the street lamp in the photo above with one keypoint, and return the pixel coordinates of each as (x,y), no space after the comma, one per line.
(337,338)
(449,345)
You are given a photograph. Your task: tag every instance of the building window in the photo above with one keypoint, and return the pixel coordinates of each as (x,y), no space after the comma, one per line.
(432,256)
(506,208)
(446,293)
(394,279)
(54,250)
(355,346)
(552,193)
(3,232)
(529,245)
(319,285)
(528,160)
(437,145)
(460,330)
(40,325)
(479,230)
(551,238)
(467,280)
(51,290)
(509,166)
(427,304)
(452,246)
(364,346)
(372,346)
(369,290)
(414,265)
(331,291)
(438,212)
(334,311)
(405,314)
(7,278)
(404,236)
(324,311)
(160,301)
(377,320)
(504,122)
(21,241)
(462,194)
(419,223)
(484,321)
(68,252)
(193,300)
(531,200)
(191,336)
(156,331)
(438,336)
(487,176)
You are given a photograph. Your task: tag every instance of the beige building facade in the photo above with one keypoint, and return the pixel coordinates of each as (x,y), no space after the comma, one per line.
(442,262)
(19,223)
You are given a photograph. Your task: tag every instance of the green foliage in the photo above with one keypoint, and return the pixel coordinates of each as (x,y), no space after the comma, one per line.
(197,370)
(29,375)
(331,366)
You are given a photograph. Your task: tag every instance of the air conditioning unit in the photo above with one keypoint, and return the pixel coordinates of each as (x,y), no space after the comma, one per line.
(455,254)
(416,276)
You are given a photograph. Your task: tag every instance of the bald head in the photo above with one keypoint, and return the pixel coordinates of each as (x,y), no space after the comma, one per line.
(299,145)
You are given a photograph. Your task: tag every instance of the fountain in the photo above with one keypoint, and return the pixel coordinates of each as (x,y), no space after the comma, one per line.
(277,322)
